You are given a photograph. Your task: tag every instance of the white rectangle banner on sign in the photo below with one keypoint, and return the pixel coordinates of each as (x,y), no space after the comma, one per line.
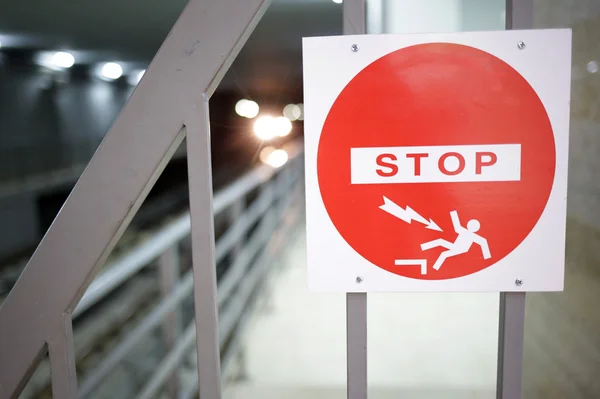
(447,163)
(437,162)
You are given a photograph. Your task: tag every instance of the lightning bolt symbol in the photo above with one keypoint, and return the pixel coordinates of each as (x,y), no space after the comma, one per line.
(407,214)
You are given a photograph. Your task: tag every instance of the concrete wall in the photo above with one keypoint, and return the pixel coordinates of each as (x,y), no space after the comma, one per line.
(44,127)
(31,112)
(583,17)
(18,224)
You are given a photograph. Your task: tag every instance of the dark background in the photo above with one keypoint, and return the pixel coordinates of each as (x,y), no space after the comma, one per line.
(52,122)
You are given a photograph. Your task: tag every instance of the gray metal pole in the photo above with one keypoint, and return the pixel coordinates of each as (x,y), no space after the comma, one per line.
(356,303)
(354,17)
(519,14)
(511,326)
(203,251)
(511,329)
(356,341)
(62,360)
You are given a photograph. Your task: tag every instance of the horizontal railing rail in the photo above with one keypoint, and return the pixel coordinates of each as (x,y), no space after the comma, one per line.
(143,253)
(275,186)
(255,203)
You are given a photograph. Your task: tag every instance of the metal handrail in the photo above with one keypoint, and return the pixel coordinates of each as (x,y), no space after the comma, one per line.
(170,235)
(142,254)
(169,104)
(230,317)
(273,185)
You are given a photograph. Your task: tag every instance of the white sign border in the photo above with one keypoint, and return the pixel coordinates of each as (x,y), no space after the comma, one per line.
(545,62)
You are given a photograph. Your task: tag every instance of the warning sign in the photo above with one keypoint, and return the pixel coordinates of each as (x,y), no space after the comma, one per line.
(437,162)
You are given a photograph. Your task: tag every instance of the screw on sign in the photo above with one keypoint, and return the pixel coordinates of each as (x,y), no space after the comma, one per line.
(440,171)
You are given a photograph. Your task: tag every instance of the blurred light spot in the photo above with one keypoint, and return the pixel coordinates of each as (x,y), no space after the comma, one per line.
(62,59)
(276,158)
(57,61)
(292,112)
(239,107)
(338,1)
(251,109)
(247,108)
(265,127)
(282,126)
(592,66)
(0,44)
(111,70)
(264,153)
(301,117)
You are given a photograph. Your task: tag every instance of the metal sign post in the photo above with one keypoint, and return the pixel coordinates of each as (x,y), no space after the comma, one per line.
(511,324)
(356,303)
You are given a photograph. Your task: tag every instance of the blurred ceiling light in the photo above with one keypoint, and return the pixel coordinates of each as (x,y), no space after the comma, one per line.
(264,153)
(62,59)
(282,126)
(265,127)
(338,1)
(111,71)
(276,158)
(592,67)
(292,112)
(239,107)
(246,108)
(251,109)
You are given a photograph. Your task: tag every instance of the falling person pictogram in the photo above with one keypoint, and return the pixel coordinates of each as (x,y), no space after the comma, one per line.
(463,243)
(466,238)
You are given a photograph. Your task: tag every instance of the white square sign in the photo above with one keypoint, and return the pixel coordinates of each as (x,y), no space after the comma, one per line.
(437,162)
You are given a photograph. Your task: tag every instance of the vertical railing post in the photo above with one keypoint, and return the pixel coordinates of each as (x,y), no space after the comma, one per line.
(281,186)
(62,359)
(237,209)
(356,303)
(203,251)
(169,269)
(511,325)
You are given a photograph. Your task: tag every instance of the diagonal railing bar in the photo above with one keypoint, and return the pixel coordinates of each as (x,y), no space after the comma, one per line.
(187,68)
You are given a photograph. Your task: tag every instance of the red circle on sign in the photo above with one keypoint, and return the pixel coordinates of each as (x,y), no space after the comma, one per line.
(436,94)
